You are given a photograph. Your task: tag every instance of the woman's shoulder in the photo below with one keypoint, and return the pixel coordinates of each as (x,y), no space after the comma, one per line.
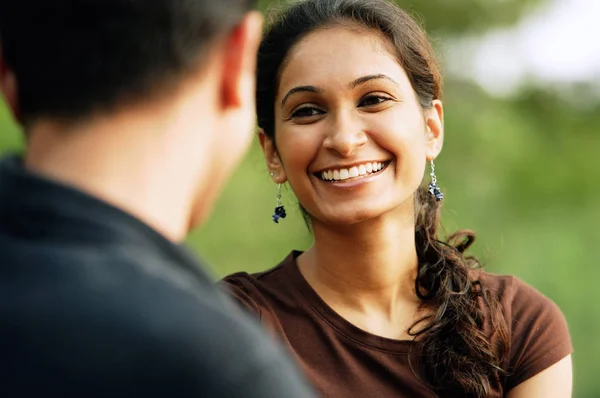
(255,291)
(520,300)
(538,330)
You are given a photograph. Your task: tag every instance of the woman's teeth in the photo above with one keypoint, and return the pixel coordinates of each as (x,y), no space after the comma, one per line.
(355,171)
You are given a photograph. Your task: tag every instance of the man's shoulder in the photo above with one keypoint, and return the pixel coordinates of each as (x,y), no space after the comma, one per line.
(114,280)
(115,289)
(100,314)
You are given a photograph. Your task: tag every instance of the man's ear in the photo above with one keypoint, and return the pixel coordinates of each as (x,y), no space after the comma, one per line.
(239,65)
(434,121)
(272,157)
(8,86)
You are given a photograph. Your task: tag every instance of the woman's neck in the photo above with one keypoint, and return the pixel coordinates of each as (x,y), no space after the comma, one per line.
(368,268)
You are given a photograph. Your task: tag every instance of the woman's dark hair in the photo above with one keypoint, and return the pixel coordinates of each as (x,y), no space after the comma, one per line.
(460,350)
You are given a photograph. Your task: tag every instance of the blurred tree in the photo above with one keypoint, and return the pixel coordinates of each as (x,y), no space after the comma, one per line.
(521,171)
(458,16)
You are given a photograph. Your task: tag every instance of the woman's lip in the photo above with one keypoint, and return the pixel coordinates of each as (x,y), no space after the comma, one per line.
(348,166)
(355,181)
(384,165)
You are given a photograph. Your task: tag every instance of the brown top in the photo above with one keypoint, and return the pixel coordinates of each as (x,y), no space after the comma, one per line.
(345,361)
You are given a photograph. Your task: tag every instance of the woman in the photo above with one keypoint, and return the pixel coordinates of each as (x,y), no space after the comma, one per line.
(350,115)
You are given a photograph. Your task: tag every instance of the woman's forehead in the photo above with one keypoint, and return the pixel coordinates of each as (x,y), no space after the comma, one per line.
(339,55)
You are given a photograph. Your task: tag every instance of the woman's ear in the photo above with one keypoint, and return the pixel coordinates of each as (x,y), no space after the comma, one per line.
(272,157)
(434,121)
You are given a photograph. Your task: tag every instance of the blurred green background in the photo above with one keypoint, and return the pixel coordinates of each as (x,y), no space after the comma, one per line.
(519,169)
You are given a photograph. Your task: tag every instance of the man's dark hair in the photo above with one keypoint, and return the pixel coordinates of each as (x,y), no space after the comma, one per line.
(75,57)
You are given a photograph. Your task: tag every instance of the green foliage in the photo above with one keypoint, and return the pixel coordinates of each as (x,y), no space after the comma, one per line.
(521,172)
(451,17)
(10,137)
(468,16)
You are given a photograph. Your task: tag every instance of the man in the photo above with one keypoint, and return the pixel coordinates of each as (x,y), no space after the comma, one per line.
(135,113)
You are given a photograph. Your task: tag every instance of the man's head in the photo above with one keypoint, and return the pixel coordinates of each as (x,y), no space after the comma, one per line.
(72,62)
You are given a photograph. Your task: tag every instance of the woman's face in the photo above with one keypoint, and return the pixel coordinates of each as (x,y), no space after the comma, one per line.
(352,139)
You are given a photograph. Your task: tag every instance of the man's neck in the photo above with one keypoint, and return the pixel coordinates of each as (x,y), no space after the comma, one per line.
(134,162)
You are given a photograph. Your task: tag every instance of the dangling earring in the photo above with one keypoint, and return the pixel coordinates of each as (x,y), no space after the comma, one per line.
(433,187)
(279,209)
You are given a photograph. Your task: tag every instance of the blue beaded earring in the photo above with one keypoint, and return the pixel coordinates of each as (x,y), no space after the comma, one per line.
(279,209)
(433,187)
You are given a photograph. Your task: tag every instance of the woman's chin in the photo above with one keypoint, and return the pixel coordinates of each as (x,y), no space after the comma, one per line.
(351,215)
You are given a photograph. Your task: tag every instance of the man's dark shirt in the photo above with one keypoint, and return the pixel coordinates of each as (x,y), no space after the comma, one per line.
(93,303)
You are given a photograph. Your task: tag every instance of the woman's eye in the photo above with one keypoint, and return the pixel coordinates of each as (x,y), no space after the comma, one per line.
(372,100)
(307,111)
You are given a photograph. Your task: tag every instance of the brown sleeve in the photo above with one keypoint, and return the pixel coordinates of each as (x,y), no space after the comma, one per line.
(539,333)
(235,287)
